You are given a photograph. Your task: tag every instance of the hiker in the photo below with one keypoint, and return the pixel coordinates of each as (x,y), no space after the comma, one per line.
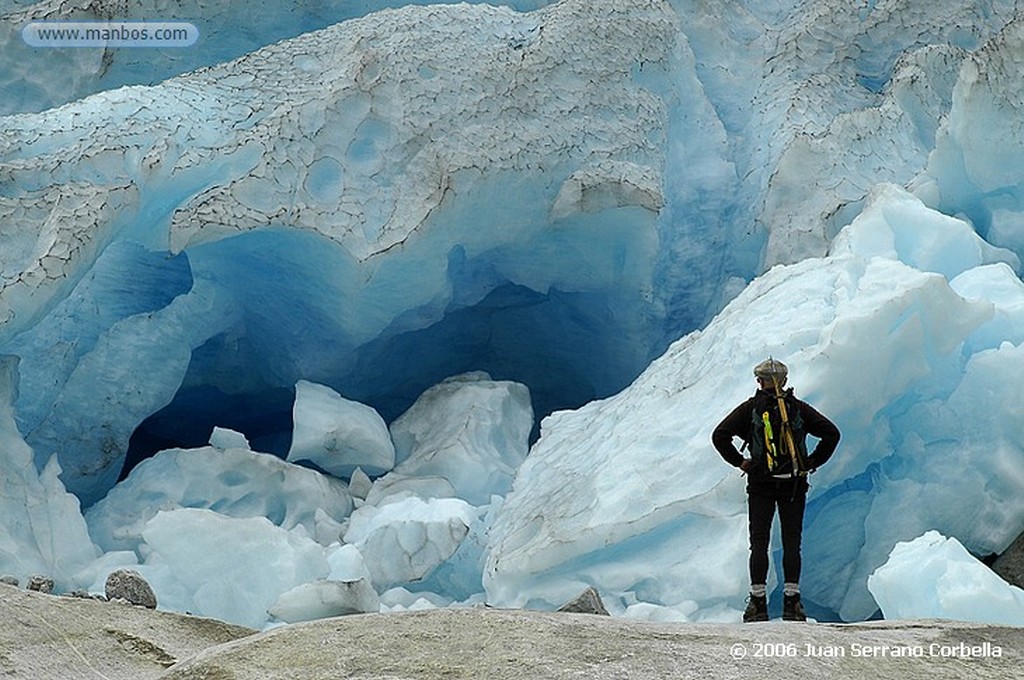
(774,425)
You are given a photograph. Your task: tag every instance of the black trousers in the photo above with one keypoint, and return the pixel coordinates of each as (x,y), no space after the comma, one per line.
(764,496)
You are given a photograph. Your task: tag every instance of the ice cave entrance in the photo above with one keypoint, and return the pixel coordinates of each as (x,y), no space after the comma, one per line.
(298,321)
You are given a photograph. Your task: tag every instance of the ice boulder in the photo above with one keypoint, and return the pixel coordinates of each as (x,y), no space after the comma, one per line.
(234,482)
(400,599)
(359,484)
(404,541)
(395,486)
(346,563)
(1000,285)
(229,568)
(470,430)
(41,525)
(224,438)
(338,434)
(898,226)
(324,598)
(935,577)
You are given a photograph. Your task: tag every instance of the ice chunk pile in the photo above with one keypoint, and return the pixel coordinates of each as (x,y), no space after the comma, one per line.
(244,536)
(404,540)
(934,577)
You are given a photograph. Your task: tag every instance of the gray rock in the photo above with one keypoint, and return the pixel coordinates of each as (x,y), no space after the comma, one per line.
(86,595)
(128,585)
(42,584)
(1010,565)
(511,644)
(134,643)
(587,602)
(9,580)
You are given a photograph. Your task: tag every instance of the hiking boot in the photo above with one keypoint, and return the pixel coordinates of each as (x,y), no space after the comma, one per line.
(757,609)
(792,609)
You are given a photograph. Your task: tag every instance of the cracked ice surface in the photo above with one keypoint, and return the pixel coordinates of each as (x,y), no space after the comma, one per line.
(837,138)
(229,29)
(398,119)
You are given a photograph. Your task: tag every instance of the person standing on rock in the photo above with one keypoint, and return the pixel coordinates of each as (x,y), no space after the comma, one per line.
(774,425)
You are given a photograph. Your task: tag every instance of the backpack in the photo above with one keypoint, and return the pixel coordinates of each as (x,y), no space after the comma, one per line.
(767,448)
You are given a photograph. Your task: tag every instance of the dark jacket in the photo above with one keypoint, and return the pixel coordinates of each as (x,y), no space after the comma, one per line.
(738,424)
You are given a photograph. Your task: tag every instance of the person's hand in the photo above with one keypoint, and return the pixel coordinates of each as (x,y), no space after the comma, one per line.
(746,465)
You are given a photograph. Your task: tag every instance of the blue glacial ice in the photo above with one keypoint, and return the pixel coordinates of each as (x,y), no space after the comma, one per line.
(439,304)
(934,577)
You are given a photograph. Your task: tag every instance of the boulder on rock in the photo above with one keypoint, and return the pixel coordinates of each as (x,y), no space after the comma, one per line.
(130,586)
(588,602)
(42,584)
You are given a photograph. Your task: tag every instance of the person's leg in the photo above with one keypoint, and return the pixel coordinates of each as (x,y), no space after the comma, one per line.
(791,520)
(760,511)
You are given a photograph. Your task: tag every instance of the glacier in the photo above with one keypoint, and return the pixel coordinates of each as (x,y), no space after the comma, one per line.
(406,305)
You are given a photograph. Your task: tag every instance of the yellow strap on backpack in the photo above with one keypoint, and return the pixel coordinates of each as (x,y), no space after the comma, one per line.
(769,441)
